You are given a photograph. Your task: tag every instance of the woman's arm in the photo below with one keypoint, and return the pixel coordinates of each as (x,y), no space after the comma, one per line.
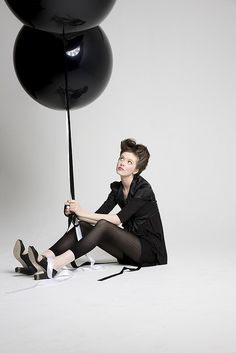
(95,217)
(89,216)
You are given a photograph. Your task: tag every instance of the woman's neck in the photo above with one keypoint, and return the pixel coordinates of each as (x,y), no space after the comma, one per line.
(126,182)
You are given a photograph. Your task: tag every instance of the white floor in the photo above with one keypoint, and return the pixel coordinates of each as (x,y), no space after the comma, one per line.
(186,306)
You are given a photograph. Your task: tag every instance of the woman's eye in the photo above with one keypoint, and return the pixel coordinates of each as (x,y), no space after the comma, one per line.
(129,162)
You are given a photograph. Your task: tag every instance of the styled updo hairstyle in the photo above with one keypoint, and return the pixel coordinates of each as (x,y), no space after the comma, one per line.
(140,151)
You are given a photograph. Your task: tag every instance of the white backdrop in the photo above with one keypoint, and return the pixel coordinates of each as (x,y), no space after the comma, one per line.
(172,88)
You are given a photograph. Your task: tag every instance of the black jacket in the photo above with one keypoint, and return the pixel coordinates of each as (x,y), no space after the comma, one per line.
(139,215)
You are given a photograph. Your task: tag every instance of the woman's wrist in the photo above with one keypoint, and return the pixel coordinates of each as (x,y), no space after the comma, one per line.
(79,213)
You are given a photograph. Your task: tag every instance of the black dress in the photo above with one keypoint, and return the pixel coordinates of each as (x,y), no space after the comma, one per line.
(139,215)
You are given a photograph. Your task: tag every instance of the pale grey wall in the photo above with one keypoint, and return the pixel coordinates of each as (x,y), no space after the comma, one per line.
(172,88)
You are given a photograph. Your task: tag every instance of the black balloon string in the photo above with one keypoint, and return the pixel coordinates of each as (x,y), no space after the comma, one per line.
(72,219)
(67,103)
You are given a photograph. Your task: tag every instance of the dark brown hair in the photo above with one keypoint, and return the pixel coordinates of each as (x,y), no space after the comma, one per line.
(140,151)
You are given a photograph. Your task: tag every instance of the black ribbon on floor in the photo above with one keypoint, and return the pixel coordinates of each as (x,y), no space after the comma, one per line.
(110,276)
(120,273)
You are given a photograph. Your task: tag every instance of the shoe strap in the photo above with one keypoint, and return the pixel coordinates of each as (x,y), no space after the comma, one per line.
(50,267)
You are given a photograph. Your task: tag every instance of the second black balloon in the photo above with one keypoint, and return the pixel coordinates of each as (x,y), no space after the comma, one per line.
(53,15)
(42,60)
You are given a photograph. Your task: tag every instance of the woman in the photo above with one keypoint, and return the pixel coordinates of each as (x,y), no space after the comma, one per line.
(141,240)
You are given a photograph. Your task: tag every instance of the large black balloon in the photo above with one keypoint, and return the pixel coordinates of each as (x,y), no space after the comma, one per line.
(51,15)
(41,60)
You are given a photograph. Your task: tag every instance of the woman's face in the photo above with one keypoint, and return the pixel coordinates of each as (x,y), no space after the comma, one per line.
(126,165)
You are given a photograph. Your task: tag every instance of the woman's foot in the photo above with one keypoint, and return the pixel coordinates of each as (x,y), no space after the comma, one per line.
(42,264)
(21,255)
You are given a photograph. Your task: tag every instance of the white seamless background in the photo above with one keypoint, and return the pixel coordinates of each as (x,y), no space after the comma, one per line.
(172,88)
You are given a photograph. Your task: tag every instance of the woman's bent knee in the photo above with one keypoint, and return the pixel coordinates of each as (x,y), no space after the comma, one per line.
(102,223)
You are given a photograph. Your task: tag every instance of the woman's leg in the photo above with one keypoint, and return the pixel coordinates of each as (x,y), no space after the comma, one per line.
(68,240)
(109,237)
(116,241)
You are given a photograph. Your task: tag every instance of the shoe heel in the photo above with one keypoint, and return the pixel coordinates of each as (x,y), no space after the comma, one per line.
(39,276)
(26,271)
